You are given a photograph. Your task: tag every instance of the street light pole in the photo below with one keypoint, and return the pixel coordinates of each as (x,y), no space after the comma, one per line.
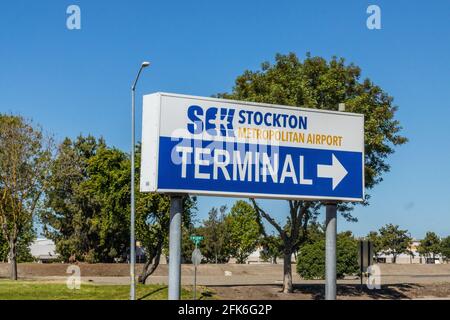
(132,207)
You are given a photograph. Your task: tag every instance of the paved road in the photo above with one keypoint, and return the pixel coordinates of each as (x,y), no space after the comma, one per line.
(240,280)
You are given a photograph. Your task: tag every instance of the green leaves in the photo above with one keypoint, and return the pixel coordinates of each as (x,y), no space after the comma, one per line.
(25,154)
(87,200)
(391,240)
(243,230)
(215,245)
(430,245)
(235,234)
(321,84)
(272,248)
(445,248)
(311,257)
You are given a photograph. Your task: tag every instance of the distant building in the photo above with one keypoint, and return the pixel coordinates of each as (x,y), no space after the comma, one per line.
(414,258)
(44,250)
(255,258)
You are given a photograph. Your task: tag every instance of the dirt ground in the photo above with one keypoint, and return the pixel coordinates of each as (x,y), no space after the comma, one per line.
(344,292)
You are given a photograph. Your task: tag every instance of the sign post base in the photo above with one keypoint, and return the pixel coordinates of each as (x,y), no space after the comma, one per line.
(176,209)
(330,252)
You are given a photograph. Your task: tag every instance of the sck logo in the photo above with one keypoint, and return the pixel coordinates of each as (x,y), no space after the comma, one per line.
(215,121)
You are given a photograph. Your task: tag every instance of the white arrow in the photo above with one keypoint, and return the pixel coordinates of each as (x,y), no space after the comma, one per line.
(336,171)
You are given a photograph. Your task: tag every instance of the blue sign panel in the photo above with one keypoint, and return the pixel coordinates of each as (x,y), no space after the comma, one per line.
(279,171)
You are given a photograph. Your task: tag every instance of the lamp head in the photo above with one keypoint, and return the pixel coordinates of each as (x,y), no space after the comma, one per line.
(145,64)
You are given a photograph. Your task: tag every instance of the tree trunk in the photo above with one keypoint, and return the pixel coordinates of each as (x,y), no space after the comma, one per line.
(287,274)
(151,264)
(13,260)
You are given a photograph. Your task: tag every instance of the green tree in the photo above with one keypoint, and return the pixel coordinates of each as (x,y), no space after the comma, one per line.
(89,201)
(152,222)
(243,230)
(314,232)
(293,234)
(311,258)
(215,246)
(152,228)
(272,248)
(25,155)
(374,237)
(73,219)
(394,241)
(187,245)
(25,239)
(445,248)
(320,84)
(347,254)
(108,190)
(430,246)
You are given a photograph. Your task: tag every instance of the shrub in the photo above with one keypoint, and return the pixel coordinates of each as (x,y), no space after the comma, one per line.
(311,258)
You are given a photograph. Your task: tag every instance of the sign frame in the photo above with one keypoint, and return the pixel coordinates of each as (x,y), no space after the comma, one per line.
(154,129)
(365,254)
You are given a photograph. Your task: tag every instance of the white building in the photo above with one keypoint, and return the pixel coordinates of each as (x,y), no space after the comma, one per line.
(44,250)
(414,258)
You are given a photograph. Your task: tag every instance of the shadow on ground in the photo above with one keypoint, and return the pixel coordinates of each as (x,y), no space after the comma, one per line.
(203,293)
(152,293)
(316,292)
(351,291)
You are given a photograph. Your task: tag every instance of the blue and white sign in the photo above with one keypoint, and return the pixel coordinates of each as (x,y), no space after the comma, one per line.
(222,147)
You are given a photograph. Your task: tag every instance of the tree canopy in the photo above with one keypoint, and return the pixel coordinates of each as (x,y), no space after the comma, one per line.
(87,201)
(272,248)
(430,246)
(215,243)
(25,155)
(394,241)
(311,257)
(243,230)
(321,84)
(445,248)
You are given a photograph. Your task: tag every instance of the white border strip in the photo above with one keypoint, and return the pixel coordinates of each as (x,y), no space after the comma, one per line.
(259,104)
(256,195)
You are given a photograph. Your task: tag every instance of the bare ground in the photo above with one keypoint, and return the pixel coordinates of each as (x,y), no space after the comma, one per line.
(344,292)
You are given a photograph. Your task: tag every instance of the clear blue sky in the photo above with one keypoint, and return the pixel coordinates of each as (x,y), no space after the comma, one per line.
(78,81)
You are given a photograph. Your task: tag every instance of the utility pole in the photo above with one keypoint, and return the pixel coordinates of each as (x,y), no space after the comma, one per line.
(144,64)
